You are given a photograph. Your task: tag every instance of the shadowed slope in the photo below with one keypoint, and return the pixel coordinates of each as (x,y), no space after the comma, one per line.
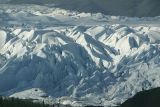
(150,98)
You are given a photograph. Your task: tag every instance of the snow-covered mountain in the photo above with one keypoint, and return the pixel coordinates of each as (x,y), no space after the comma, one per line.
(138,8)
(79,58)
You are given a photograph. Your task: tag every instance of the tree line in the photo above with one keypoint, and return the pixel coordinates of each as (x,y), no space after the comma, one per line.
(15,102)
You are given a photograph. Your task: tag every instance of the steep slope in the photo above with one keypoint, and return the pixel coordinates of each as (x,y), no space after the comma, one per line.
(82,56)
(115,63)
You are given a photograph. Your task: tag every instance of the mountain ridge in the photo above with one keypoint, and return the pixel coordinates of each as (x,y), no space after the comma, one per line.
(82,58)
(132,8)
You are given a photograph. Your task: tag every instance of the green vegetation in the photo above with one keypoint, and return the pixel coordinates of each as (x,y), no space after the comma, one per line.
(14,102)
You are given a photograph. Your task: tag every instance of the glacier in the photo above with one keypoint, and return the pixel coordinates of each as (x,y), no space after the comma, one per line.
(79,58)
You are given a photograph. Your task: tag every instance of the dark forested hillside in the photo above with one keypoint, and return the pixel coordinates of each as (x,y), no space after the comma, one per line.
(150,98)
(12,102)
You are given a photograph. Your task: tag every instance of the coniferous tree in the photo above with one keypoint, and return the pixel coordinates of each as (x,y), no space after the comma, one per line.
(14,102)
(1,101)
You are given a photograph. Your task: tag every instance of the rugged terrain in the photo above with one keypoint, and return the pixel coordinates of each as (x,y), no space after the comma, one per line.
(77,57)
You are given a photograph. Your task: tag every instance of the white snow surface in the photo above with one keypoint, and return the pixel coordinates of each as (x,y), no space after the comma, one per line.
(79,58)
